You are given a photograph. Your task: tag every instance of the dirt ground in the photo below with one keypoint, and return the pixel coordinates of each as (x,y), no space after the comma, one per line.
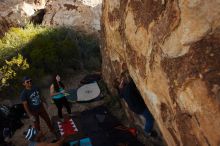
(72,81)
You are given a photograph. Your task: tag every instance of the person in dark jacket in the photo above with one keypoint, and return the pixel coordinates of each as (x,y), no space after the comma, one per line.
(129,92)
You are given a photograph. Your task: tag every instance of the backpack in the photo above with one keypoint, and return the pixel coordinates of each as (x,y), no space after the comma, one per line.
(8,119)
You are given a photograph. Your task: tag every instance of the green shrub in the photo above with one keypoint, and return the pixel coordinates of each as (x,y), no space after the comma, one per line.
(10,69)
(44,50)
(16,38)
(90,52)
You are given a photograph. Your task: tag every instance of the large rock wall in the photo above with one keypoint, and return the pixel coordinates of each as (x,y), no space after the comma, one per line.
(171,49)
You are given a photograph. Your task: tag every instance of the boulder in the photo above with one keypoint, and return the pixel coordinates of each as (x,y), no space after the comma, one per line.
(171,50)
(80,15)
(17,13)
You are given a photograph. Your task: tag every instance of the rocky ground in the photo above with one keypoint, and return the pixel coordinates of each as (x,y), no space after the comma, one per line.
(72,81)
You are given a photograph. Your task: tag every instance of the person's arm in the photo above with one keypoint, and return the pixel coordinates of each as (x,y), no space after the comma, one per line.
(23,98)
(26,108)
(122,83)
(53,92)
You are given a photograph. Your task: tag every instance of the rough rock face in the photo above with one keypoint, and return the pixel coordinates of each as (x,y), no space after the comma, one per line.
(171,49)
(83,15)
(16,13)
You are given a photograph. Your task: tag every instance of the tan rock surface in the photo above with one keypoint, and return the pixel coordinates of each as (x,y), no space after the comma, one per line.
(171,49)
(76,14)
(81,15)
(17,13)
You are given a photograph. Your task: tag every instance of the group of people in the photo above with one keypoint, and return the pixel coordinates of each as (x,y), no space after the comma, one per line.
(32,101)
(33,104)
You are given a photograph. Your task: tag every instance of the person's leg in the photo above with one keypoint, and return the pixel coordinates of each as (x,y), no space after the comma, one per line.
(59,105)
(149,121)
(37,119)
(1,135)
(46,118)
(66,104)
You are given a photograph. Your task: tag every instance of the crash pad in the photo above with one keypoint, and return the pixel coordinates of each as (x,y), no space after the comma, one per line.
(85,93)
(67,127)
(88,92)
(81,142)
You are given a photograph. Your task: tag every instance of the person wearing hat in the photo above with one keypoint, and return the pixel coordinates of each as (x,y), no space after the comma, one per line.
(35,138)
(32,102)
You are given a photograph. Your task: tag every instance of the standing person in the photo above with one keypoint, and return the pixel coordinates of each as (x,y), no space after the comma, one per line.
(57,93)
(32,102)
